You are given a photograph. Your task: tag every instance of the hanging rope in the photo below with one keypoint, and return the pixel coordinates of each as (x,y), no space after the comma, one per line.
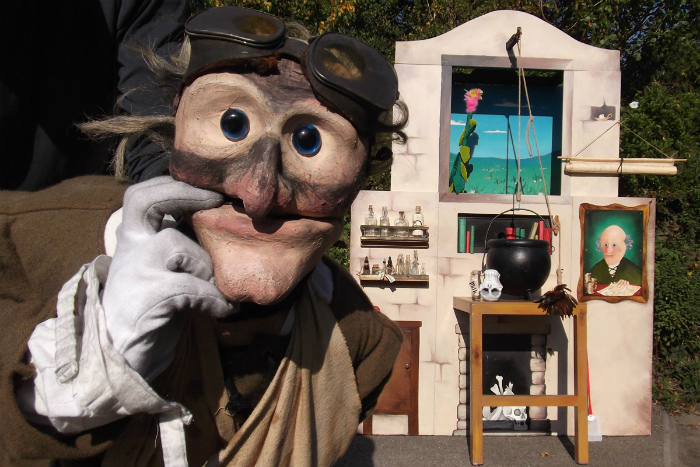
(522,84)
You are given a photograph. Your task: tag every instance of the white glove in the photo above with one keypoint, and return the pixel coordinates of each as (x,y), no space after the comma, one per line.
(157,275)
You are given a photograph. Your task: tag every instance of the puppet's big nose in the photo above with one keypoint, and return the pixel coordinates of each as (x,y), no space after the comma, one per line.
(257,183)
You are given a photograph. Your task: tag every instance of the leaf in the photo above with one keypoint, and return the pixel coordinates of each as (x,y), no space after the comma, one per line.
(462,136)
(464,154)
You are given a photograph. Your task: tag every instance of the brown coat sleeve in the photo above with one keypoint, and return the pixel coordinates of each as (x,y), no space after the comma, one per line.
(45,237)
(373,339)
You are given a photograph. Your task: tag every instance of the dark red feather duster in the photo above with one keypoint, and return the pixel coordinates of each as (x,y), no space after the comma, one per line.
(558,301)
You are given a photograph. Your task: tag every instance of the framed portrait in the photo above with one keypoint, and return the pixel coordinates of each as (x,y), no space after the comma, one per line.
(613,253)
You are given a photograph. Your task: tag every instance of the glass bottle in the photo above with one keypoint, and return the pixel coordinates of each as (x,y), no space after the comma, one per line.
(399,265)
(369,221)
(389,266)
(365,267)
(414,264)
(401,225)
(407,264)
(385,223)
(418,221)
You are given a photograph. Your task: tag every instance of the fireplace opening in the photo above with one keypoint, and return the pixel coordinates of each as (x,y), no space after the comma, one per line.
(508,356)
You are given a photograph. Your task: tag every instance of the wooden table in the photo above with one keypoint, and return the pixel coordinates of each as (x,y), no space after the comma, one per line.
(478,400)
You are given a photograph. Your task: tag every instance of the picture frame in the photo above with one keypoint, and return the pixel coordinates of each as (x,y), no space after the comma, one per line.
(613,253)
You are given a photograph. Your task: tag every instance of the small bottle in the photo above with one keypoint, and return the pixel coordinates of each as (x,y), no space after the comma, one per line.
(365,267)
(418,221)
(384,265)
(385,223)
(389,266)
(407,264)
(414,264)
(401,225)
(369,221)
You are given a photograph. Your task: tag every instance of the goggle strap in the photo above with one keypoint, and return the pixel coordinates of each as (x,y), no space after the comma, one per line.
(294,48)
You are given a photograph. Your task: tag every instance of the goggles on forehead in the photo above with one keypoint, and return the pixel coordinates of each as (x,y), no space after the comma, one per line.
(351,76)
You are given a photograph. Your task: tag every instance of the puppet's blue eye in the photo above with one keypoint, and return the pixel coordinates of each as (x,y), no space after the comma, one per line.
(306,140)
(235,124)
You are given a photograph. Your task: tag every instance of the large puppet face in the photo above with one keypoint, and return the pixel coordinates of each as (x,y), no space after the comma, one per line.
(612,243)
(290,167)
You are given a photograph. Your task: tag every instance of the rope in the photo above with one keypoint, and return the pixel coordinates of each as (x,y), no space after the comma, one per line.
(555,219)
(628,129)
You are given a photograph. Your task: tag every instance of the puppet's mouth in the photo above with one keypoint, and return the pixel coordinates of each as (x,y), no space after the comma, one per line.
(233,201)
(238,205)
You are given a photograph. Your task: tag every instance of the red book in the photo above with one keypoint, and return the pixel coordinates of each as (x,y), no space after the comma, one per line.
(540,230)
(548,237)
(469,237)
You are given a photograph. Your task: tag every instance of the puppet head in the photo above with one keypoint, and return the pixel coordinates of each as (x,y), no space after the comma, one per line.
(282,127)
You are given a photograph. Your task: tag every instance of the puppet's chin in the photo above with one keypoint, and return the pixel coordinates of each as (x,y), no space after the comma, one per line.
(261,261)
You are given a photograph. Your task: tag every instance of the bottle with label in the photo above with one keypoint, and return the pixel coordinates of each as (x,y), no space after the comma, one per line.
(418,221)
(365,267)
(407,264)
(389,266)
(401,225)
(369,221)
(384,222)
(400,271)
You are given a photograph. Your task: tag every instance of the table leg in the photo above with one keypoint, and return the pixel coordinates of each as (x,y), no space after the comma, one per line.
(476,424)
(580,382)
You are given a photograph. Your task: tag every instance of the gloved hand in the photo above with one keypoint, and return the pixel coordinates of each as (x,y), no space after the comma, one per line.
(157,275)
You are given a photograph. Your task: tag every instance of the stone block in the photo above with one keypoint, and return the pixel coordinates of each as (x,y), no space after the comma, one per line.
(462,433)
(538,377)
(463,367)
(462,354)
(538,351)
(462,424)
(463,396)
(537,413)
(538,364)
(462,412)
(462,341)
(463,381)
(537,389)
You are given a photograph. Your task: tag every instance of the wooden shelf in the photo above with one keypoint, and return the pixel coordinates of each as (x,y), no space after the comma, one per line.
(423,278)
(392,241)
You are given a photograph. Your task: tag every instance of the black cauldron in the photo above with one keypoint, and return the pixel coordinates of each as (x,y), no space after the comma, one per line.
(523,264)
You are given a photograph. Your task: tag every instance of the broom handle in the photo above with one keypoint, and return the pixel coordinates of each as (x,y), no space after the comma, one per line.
(588,375)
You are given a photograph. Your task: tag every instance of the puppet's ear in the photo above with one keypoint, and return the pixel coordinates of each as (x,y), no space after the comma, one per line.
(384,153)
(380,160)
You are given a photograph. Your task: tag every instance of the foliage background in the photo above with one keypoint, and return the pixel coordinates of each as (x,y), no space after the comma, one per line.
(659,43)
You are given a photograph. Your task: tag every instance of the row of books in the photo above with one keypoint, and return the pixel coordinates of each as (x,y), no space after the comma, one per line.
(538,231)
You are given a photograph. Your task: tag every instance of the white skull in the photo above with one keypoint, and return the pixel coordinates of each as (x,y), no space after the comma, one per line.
(491,287)
(515,413)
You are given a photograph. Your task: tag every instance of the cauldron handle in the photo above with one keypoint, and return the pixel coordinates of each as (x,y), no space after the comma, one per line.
(486,237)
